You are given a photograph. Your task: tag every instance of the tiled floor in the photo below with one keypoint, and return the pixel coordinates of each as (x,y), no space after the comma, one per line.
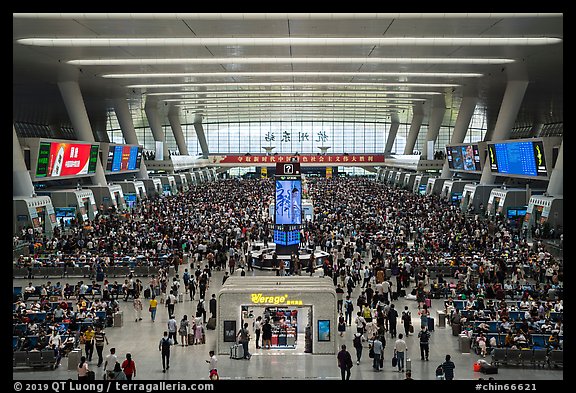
(141,340)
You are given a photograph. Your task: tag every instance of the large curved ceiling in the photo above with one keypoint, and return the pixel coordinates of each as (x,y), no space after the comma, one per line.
(230,67)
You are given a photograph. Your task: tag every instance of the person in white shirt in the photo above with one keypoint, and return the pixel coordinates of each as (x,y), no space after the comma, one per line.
(110,361)
(29,290)
(55,343)
(360,323)
(386,289)
(137,307)
(400,349)
(212,366)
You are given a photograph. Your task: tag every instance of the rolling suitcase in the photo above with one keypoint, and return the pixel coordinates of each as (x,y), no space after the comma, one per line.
(428,303)
(91,375)
(394,295)
(430,324)
(190,338)
(237,351)
(180,297)
(408,364)
(211,325)
(147,293)
(456,329)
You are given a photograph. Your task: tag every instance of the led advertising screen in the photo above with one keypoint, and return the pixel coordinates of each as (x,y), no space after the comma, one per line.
(524,158)
(56,159)
(288,202)
(123,158)
(463,157)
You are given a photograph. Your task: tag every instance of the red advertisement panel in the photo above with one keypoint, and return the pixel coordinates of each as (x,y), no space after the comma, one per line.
(303,159)
(68,159)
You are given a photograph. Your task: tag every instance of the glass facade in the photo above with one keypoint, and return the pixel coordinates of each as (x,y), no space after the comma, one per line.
(301,136)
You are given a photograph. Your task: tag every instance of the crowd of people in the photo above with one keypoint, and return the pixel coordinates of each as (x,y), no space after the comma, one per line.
(387,241)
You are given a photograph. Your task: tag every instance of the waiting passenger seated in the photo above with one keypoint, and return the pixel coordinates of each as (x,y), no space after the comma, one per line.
(483,328)
(554,341)
(520,340)
(30,290)
(505,326)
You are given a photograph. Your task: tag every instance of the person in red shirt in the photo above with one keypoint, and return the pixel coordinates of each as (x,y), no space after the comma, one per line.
(129,367)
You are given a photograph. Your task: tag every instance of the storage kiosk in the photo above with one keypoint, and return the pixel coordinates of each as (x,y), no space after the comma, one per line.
(37,212)
(434,186)
(420,184)
(301,310)
(545,210)
(153,187)
(409,179)
(501,200)
(168,184)
(452,190)
(181,182)
(134,191)
(476,194)
(82,202)
(108,196)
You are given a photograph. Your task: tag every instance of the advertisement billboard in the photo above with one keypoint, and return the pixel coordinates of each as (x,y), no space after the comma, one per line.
(288,202)
(463,157)
(58,159)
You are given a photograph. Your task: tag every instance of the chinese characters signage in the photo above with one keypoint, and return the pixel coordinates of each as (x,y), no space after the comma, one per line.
(303,159)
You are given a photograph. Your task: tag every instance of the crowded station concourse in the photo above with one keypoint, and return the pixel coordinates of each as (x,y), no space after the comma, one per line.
(160,233)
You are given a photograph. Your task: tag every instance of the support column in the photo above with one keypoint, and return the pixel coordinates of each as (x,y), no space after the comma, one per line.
(417,117)
(128,132)
(556,183)
(436,117)
(151,109)
(511,102)
(465,113)
(74,103)
(21,181)
(392,134)
(201,135)
(174,119)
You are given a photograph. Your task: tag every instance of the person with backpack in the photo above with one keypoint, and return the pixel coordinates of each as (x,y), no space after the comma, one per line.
(448,367)
(344,362)
(424,336)
(392,317)
(164,346)
(186,279)
(360,323)
(349,309)
(406,320)
(357,341)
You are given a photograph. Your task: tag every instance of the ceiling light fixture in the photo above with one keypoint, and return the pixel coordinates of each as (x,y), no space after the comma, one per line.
(238,84)
(290,74)
(287,41)
(291,60)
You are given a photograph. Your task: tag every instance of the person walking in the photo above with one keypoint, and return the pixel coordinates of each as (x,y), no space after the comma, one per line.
(424,336)
(137,302)
(99,339)
(129,367)
(344,362)
(110,361)
(116,374)
(392,317)
(348,309)
(89,342)
(243,337)
(212,366)
(164,346)
(406,320)
(448,367)
(257,329)
(82,369)
(171,302)
(341,324)
(357,341)
(153,307)
(377,349)
(183,330)
(400,349)
(172,327)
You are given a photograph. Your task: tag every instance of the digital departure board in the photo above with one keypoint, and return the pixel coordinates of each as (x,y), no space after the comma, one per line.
(123,158)
(524,158)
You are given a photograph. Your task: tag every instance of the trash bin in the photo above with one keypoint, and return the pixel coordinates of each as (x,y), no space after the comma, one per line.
(118,319)
(74,359)
(441,316)
(464,343)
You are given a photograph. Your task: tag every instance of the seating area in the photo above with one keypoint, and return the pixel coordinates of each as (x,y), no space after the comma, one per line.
(524,357)
(43,358)
(87,271)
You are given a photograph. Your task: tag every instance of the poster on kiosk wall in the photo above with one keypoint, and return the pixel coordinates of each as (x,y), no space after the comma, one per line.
(56,159)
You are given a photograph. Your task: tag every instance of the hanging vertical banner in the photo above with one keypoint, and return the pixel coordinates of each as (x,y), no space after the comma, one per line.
(159,150)
(430,148)
(328,172)
(263,172)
